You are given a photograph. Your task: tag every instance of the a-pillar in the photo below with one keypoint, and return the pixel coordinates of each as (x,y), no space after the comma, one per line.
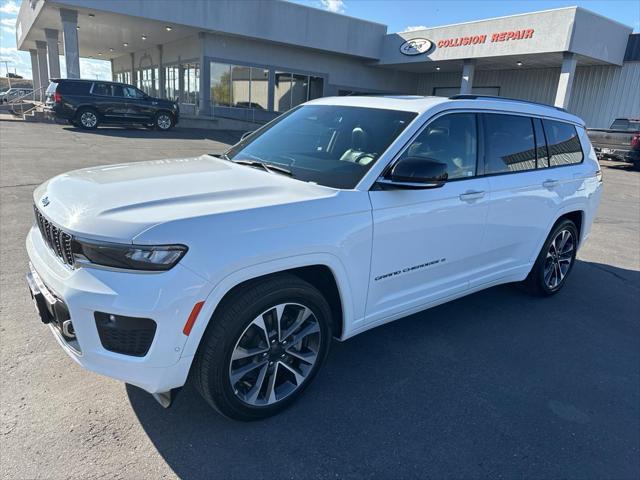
(565,82)
(69,20)
(43,68)
(468,71)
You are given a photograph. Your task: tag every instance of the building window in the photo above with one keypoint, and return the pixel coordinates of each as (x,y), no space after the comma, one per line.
(220,84)
(171,82)
(123,77)
(156,81)
(145,80)
(191,75)
(292,89)
(239,86)
(259,88)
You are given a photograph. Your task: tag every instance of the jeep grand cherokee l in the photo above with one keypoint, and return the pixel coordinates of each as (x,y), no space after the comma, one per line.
(341,215)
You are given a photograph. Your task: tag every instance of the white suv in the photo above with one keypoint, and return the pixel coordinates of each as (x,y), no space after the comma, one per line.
(338,216)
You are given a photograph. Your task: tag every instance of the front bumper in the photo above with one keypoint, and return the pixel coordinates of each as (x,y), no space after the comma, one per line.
(166,297)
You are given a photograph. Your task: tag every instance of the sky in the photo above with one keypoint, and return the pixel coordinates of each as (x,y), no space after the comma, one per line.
(398,15)
(20,62)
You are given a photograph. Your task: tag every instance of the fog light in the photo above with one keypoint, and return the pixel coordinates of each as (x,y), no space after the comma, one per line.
(125,335)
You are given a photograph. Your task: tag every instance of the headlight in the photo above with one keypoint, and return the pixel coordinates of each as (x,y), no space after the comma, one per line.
(132,257)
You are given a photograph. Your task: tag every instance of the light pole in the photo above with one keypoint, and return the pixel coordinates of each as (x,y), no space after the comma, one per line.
(6,65)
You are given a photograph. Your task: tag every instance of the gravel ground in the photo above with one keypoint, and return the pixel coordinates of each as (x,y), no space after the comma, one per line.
(497,384)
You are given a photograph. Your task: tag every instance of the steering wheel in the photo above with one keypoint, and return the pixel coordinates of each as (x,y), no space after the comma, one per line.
(371,156)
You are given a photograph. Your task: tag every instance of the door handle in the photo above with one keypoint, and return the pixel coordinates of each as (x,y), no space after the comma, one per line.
(550,184)
(470,196)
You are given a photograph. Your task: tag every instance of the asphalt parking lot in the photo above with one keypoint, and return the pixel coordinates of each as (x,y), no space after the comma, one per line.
(498,384)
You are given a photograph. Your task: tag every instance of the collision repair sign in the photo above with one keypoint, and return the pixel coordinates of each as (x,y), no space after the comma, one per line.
(493,38)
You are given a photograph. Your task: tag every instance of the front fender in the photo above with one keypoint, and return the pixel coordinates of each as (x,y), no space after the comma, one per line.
(265,268)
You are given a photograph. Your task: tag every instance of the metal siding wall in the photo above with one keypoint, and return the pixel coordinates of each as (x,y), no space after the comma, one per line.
(537,85)
(603,93)
(600,93)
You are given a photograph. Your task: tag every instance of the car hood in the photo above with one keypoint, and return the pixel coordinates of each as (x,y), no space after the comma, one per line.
(118,202)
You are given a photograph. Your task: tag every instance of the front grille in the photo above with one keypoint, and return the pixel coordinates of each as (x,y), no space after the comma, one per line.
(56,239)
(125,335)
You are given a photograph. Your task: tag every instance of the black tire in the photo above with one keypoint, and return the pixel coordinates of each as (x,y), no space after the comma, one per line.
(87,118)
(212,365)
(163,121)
(537,282)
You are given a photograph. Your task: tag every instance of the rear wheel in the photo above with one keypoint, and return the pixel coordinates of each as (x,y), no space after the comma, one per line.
(87,118)
(163,121)
(263,348)
(555,261)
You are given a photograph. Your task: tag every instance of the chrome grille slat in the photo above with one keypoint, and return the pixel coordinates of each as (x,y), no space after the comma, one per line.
(56,239)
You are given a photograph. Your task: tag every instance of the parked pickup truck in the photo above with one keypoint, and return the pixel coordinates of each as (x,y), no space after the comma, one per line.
(621,141)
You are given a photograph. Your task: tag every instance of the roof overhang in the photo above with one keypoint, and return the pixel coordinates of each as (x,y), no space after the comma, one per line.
(537,39)
(108,24)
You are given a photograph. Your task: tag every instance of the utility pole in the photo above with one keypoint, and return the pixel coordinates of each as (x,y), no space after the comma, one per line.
(6,65)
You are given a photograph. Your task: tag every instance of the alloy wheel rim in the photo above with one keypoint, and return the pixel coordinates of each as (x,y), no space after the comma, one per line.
(275,354)
(88,119)
(164,122)
(559,259)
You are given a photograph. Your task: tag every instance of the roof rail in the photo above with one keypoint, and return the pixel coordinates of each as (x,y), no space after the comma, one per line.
(507,99)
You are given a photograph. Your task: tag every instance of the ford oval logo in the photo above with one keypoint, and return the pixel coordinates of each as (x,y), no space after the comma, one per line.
(45,201)
(416,46)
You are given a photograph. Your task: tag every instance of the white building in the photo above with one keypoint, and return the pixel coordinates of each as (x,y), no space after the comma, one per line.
(250,59)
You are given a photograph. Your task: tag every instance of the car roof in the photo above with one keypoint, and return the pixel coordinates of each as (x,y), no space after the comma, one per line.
(420,105)
(409,103)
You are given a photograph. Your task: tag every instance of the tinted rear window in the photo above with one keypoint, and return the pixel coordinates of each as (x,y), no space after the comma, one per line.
(563,142)
(74,88)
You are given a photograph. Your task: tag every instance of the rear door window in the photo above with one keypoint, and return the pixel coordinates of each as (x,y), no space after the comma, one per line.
(563,143)
(102,89)
(509,143)
(132,92)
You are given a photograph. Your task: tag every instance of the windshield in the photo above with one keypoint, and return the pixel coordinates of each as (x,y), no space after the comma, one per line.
(331,145)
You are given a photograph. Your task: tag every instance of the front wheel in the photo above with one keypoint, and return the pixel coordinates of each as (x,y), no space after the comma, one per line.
(555,261)
(163,121)
(263,347)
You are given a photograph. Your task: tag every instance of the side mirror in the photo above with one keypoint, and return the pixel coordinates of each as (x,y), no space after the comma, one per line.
(416,173)
(246,134)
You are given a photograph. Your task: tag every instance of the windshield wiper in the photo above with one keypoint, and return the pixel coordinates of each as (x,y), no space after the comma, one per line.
(223,156)
(265,166)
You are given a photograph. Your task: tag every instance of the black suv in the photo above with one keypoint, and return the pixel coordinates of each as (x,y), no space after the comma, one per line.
(88,103)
